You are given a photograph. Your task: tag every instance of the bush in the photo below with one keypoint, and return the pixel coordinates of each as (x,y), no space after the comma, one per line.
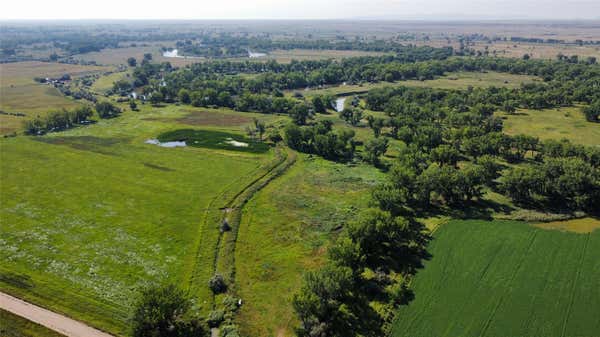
(231,303)
(107,110)
(215,318)
(217,284)
(229,331)
(164,311)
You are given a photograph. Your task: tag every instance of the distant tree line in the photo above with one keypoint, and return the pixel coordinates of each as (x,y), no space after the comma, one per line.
(229,45)
(563,82)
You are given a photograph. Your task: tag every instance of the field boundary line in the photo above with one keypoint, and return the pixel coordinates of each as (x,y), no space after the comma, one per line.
(573,287)
(226,251)
(192,273)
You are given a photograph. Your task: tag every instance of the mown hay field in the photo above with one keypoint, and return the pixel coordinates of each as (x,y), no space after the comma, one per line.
(503,278)
(568,122)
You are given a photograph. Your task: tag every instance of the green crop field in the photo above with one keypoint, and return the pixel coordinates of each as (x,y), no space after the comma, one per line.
(91,214)
(14,326)
(285,230)
(505,278)
(560,123)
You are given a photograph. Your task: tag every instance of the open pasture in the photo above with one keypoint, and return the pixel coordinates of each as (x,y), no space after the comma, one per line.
(559,123)
(286,56)
(105,82)
(285,230)
(20,93)
(217,118)
(91,214)
(505,278)
(458,80)
(118,56)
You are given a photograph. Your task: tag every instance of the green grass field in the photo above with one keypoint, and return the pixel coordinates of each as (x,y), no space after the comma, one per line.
(91,214)
(14,326)
(285,230)
(105,82)
(505,278)
(560,123)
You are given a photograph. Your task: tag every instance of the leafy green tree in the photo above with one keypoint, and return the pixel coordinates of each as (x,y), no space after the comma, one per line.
(106,109)
(352,116)
(184,96)
(156,98)
(260,127)
(319,105)
(445,155)
(35,126)
(131,62)
(374,149)
(321,303)
(164,311)
(122,87)
(389,243)
(520,183)
(489,168)
(300,113)
(376,124)
(592,112)
(82,114)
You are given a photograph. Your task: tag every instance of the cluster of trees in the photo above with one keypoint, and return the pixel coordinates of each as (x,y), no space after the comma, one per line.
(165,311)
(454,150)
(365,278)
(57,121)
(442,128)
(106,109)
(66,119)
(322,140)
(563,176)
(563,82)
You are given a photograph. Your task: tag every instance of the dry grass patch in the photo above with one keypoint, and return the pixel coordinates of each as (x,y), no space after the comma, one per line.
(581,226)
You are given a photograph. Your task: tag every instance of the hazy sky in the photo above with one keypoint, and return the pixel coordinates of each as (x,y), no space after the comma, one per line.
(300,9)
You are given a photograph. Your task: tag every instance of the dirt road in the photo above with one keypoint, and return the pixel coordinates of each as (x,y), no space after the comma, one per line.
(59,323)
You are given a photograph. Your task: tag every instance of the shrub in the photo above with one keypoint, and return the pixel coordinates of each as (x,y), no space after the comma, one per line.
(217,284)
(215,318)
(163,311)
(107,110)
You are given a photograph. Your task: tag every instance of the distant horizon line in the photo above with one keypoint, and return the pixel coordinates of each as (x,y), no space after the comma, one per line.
(387,19)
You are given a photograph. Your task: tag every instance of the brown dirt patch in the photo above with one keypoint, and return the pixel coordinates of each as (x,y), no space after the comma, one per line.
(195,117)
(207,118)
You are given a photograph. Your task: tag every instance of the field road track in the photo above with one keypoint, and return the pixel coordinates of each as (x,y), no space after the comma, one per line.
(51,320)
